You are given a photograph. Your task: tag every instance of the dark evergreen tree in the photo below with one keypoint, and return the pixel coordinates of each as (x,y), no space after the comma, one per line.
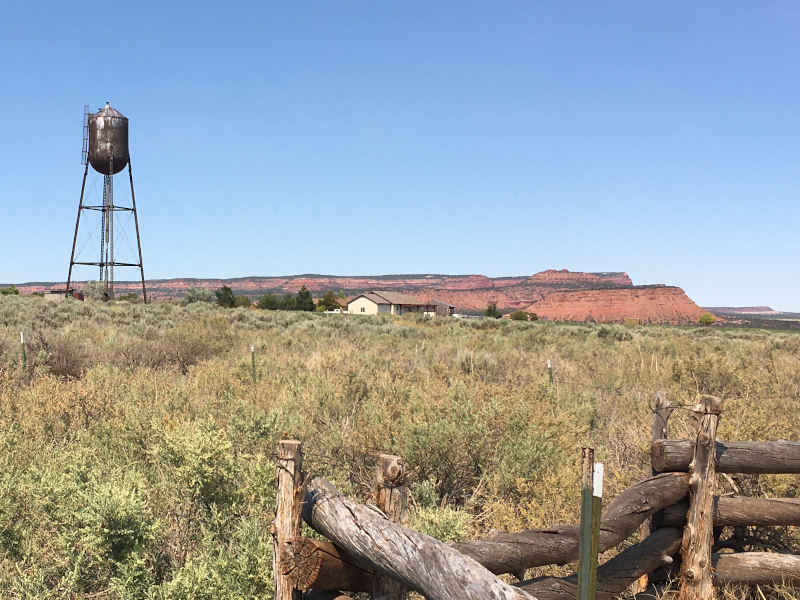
(304,300)
(225,297)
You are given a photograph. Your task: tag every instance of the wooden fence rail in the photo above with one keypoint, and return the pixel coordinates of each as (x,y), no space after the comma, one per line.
(369,549)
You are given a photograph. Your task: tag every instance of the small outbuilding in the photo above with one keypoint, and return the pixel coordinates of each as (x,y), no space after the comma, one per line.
(396,303)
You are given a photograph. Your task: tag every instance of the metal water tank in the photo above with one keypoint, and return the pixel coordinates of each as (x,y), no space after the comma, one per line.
(108,140)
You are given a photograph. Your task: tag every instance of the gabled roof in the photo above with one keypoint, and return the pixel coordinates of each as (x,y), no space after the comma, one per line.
(369,296)
(398,298)
(393,298)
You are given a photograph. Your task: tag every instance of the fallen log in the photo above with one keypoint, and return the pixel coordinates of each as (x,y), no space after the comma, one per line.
(732,457)
(326,567)
(617,574)
(319,565)
(422,563)
(515,552)
(740,511)
(757,568)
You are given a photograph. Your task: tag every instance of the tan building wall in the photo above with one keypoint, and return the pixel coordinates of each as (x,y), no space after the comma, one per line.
(365,306)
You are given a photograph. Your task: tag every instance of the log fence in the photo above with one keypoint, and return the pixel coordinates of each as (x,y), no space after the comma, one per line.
(677,512)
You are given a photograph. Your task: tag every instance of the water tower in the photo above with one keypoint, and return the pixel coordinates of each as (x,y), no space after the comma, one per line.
(105,148)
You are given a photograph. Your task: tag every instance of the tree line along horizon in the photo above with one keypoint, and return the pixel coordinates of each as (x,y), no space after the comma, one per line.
(302,301)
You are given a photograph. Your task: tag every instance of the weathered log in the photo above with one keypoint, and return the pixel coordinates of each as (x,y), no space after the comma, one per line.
(391,496)
(732,457)
(508,552)
(698,536)
(287,521)
(320,565)
(618,573)
(662,410)
(422,563)
(740,511)
(515,552)
(661,413)
(757,568)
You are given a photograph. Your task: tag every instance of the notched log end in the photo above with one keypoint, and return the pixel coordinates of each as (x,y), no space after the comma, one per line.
(391,471)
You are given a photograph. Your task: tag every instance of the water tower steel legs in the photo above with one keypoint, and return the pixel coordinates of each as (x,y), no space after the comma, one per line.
(77,222)
(138,239)
(107,260)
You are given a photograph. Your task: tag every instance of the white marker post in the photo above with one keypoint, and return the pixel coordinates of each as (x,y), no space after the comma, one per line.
(597,507)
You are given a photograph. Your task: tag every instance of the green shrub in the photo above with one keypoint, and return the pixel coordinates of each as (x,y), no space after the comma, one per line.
(202,458)
(443,523)
(519,315)
(194,294)
(116,520)
(492,312)
(9,291)
(242,301)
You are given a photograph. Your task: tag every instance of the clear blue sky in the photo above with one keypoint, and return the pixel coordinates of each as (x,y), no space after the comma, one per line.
(410,137)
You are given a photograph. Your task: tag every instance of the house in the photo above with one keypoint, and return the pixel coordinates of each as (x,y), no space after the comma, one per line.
(395,303)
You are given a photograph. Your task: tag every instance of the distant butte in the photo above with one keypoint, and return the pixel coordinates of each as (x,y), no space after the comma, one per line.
(552,294)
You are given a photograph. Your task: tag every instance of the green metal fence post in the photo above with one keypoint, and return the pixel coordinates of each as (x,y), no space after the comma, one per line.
(24,354)
(253,361)
(550,371)
(587,550)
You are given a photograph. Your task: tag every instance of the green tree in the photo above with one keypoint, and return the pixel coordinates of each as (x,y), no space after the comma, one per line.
(304,300)
(491,311)
(328,301)
(706,319)
(288,302)
(225,297)
(269,302)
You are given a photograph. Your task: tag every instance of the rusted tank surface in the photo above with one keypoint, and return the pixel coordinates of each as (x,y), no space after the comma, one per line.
(108,140)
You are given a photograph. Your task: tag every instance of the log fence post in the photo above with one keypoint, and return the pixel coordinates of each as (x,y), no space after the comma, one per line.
(391,497)
(288,513)
(661,413)
(696,582)
(662,410)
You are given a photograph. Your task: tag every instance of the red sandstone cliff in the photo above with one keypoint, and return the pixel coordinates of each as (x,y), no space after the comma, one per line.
(553,294)
(645,304)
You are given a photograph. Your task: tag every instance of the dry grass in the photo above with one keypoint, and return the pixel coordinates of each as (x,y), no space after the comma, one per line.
(137,450)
